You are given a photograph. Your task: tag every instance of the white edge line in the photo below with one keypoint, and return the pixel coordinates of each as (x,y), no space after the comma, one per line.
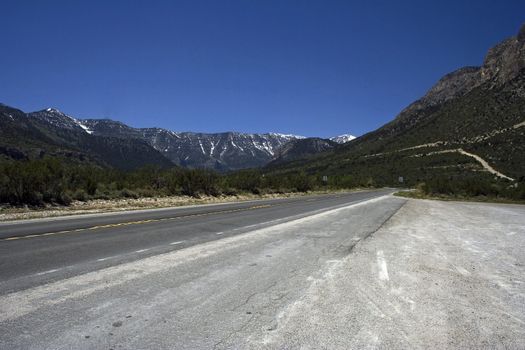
(292,218)
(46,272)
(106,258)
(178,242)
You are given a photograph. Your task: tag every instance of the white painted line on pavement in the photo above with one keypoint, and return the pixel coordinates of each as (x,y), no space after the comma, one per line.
(46,272)
(256,225)
(219,233)
(178,242)
(104,259)
(141,250)
(381,264)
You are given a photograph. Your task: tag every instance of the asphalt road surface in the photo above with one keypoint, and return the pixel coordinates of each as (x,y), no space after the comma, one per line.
(34,252)
(349,271)
(172,279)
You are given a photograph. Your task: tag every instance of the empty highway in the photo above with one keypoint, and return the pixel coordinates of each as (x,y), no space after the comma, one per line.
(346,271)
(37,251)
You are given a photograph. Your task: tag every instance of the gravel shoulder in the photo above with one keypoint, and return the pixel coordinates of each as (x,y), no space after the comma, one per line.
(437,275)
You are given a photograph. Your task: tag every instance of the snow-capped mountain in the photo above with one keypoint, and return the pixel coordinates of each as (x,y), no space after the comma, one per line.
(342,138)
(58,119)
(220,151)
(52,133)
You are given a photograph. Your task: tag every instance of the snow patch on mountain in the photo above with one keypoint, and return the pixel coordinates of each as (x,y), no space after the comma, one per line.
(60,120)
(342,138)
(286,136)
(85,128)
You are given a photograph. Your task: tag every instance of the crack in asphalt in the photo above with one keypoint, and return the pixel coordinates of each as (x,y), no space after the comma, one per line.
(371,233)
(273,284)
(243,326)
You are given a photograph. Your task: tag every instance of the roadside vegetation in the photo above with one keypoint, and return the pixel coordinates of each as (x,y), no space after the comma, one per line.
(471,189)
(53,181)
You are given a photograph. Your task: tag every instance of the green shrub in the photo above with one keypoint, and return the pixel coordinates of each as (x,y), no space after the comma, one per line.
(126,193)
(80,195)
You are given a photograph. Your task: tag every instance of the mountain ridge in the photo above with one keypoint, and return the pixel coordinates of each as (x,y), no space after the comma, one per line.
(25,136)
(220,151)
(476,111)
(224,151)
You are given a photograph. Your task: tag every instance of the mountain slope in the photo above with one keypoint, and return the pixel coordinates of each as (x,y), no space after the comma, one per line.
(474,110)
(219,151)
(53,133)
(302,149)
(116,144)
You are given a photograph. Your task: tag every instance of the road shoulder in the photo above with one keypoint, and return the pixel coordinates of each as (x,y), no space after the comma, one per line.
(436,275)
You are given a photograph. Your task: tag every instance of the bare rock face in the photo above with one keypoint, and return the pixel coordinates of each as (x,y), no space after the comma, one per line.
(502,63)
(505,60)
(453,84)
(521,34)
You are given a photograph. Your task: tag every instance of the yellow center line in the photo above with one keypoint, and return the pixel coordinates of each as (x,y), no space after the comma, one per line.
(139,222)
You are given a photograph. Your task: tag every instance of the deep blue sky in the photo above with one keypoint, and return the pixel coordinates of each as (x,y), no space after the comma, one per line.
(316,68)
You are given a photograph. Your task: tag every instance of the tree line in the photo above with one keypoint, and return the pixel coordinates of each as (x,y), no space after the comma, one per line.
(53,180)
